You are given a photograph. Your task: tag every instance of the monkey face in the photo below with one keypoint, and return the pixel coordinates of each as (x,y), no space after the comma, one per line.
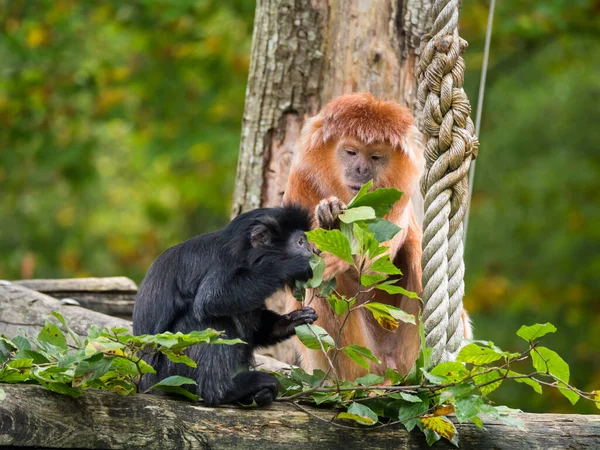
(360,163)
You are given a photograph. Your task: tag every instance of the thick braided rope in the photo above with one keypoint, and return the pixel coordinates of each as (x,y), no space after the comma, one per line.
(450,147)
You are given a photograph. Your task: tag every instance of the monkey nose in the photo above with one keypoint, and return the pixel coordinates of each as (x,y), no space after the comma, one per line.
(315,249)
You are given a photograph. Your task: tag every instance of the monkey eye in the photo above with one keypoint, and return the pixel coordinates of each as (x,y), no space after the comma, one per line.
(350,152)
(301,241)
(375,157)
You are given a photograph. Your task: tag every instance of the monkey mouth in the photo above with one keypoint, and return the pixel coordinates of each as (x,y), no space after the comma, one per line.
(354,189)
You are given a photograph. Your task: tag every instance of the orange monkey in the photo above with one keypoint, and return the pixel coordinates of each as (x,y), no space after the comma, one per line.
(353,139)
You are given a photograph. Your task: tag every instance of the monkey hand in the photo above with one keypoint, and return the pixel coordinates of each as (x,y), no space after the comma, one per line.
(328,211)
(303,316)
(285,326)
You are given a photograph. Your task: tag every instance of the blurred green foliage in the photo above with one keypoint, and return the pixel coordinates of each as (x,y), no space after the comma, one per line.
(119,129)
(119,133)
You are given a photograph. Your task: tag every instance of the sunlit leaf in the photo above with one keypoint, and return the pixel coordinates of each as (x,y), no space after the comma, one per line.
(384,265)
(331,241)
(391,288)
(355,214)
(381,200)
(478,355)
(544,359)
(533,332)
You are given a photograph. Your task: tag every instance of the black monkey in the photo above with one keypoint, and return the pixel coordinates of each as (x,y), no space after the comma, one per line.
(221,280)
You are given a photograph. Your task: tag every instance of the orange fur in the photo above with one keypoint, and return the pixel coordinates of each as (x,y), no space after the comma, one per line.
(316,174)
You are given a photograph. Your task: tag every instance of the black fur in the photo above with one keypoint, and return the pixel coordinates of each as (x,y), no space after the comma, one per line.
(221,280)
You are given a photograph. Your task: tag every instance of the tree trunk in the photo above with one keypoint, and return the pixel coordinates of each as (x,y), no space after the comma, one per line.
(33,417)
(304,53)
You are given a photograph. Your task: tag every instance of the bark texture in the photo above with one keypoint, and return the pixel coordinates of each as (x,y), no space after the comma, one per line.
(304,53)
(33,417)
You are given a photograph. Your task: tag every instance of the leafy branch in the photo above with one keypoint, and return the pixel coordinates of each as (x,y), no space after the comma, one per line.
(426,396)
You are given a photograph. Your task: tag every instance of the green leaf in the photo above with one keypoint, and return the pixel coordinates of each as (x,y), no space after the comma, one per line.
(390,288)
(124,367)
(175,388)
(331,241)
(175,380)
(410,397)
(370,379)
(310,335)
(92,369)
(317,264)
(51,334)
(361,193)
(533,332)
(383,230)
(369,280)
(234,341)
(384,265)
(103,345)
(301,376)
(355,214)
(340,305)
(366,243)
(537,387)
(478,355)
(394,377)
(325,397)
(571,395)
(452,371)
(504,414)
(466,407)
(72,333)
(381,200)
(544,359)
(360,355)
(119,330)
(409,413)
(488,381)
(388,316)
(180,357)
(359,413)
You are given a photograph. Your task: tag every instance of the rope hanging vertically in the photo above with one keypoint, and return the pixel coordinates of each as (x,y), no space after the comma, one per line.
(450,147)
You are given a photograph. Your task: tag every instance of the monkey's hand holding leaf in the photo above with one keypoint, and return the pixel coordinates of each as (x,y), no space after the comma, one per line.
(327,212)
(286,325)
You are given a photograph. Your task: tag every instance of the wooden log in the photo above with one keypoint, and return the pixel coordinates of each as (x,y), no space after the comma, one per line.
(33,417)
(114,296)
(25,309)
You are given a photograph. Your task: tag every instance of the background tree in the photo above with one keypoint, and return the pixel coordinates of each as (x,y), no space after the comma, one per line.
(304,54)
(120,132)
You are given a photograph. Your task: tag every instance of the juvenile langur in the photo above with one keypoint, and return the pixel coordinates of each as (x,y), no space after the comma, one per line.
(221,280)
(356,138)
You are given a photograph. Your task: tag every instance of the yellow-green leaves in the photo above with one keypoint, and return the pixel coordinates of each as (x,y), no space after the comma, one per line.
(388,316)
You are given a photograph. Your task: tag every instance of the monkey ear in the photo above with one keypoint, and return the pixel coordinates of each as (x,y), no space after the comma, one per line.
(260,236)
(263,232)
